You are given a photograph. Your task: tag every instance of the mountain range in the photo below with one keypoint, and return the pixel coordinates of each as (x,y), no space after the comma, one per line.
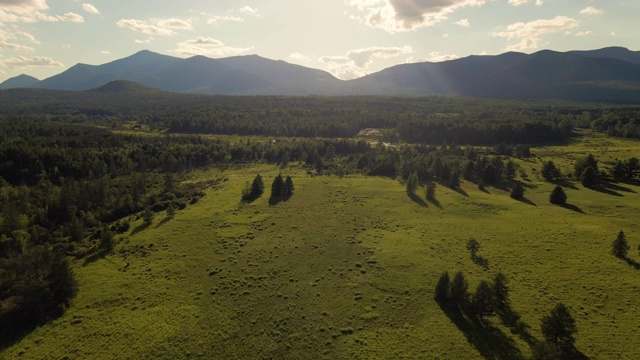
(610,75)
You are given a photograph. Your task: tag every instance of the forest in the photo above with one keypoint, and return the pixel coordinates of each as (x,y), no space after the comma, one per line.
(79,169)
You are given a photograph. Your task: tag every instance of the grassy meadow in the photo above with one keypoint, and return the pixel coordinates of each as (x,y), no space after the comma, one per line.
(346,268)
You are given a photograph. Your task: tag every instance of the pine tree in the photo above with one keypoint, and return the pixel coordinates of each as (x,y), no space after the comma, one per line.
(288,187)
(501,289)
(558,197)
(550,172)
(277,186)
(484,300)
(559,327)
(459,290)
(412,183)
(589,177)
(517,192)
(430,192)
(442,288)
(620,246)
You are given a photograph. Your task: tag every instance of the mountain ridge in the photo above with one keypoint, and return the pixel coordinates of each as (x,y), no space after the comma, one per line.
(607,74)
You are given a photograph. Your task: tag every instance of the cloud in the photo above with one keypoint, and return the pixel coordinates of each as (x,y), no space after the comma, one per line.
(175,24)
(90,9)
(591,11)
(145,41)
(517,2)
(462,22)
(298,57)
(530,33)
(71,17)
(105,52)
(539,2)
(28,37)
(356,62)
(5,44)
(66,46)
(584,33)
(435,56)
(144,27)
(30,11)
(406,15)
(208,47)
(214,20)
(25,62)
(248,10)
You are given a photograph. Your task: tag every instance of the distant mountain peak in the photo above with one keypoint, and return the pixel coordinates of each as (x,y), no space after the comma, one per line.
(20,81)
(120,86)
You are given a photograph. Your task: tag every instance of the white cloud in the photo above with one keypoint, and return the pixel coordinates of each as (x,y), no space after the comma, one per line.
(462,22)
(591,11)
(90,9)
(23,6)
(435,56)
(175,24)
(406,15)
(248,10)
(71,17)
(25,62)
(144,27)
(105,52)
(298,57)
(356,62)
(145,41)
(584,33)
(28,37)
(539,2)
(214,20)
(517,2)
(17,47)
(446,36)
(613,34)
(530,33)
(208,47)
(66,46)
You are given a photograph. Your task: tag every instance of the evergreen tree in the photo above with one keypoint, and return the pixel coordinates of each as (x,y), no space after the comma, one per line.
(558,197)
(517,192)
(589,177)
(620,246)
(430,192)
(287,189)
(442,288)
(454,180)
(484,300)
(632,166)
(559,327)
(459,290)
(147,216)
(550,172)
(510,170)
(619,171)
(481,185)
(412,183)
(501,290)
(277,186)
(583,163)
(171,210)
(254,191)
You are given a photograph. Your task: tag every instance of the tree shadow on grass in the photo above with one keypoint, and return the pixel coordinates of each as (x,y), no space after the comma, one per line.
(140,228)
(417,199)
(604,189)
(573,208)
(163,221)
(435,202)
(615,187)
(527,201)
(511,319)
(481,261)
(566,184)
(275,200)
(461,192)
(490,341)
(633,263)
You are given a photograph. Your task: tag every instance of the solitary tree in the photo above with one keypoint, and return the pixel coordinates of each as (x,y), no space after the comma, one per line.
(558,197)
(620,245)
(473,246)
(559,327)
(442,288)
(287,189)
(147,216)
(517,192)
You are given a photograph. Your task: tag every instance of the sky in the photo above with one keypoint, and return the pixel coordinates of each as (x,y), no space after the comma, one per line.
(348,38)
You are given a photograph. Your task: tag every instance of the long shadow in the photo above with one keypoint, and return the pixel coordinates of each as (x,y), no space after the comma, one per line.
(435,202)
(633,263)
(417,199)
(139,228)
(566,184)
(573,208)
(163,221)
(461,192)
(616,187)
(527,201)
(490,341)
(634,182)
(275,200)
(479,260)
(511,319)
(605,190)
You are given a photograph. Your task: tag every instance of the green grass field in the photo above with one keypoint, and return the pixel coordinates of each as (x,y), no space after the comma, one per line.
(345,269)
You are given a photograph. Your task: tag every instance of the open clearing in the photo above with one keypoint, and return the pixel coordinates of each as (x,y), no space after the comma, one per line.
(346,269)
